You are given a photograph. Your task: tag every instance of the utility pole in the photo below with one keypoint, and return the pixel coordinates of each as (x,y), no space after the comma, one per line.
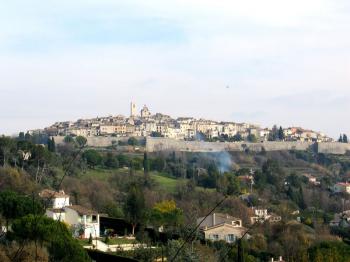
(240,252)
(162,252)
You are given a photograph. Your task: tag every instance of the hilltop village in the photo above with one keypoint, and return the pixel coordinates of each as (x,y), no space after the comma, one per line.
(132,187)
(145,124)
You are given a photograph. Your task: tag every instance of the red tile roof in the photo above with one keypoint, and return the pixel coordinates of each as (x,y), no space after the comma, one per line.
(82,210)
(47,193)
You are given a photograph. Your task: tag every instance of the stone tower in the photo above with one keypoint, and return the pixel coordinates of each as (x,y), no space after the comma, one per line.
(133,109)
(145,112)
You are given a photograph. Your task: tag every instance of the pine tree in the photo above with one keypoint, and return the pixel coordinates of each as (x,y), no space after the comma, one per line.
(21,136)
(345,138)
(134,207)
(340,138)
(27,137)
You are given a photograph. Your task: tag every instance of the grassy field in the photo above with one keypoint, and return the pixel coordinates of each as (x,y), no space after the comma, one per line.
(166,183)
(169,184)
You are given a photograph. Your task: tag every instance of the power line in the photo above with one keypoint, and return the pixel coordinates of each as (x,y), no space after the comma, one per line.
(240,254)
(195,229)
(49,199)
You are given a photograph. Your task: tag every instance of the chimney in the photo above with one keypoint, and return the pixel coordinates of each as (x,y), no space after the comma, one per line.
(213,219)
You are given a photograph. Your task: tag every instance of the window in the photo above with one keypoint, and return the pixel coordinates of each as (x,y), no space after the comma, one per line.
(214,237)
(231,238)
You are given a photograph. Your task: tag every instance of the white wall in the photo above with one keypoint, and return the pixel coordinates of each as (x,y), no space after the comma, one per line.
(93,229)
(224,231)
(72,217)
(60,202)
(55,216)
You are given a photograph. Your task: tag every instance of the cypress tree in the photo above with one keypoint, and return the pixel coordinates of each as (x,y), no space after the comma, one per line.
(90,239)
(302,204)
(273,136)
(53,144)
(49,144)
(280,134)
(146,167)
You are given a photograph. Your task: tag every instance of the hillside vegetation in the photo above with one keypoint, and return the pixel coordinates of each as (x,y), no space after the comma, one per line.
(173,189)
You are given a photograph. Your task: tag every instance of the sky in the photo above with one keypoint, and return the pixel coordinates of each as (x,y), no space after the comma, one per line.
(284,62)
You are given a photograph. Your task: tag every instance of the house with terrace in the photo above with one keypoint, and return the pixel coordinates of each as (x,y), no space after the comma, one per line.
(219,226)
(261,215)
(83,221)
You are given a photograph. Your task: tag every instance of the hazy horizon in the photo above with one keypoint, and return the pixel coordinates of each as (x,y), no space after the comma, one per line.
(285,63)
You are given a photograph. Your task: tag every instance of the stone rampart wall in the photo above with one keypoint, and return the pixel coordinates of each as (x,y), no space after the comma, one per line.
(96,141)
(333,148)
(166,144)
(154,144)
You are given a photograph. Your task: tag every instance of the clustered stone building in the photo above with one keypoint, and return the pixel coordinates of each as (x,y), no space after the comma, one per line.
(145,124)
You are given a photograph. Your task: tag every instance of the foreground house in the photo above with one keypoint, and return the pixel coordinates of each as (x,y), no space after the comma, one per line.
(219,226)
(83,221)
